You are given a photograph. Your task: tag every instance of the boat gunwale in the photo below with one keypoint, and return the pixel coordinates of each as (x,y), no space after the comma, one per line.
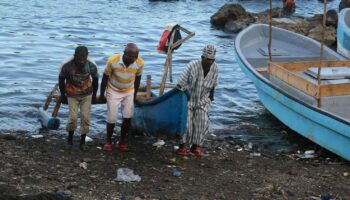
(161,98)
(342,15)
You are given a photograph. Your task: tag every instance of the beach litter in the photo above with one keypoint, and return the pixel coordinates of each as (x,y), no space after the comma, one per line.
(83,165)
(159,143)
(176,173)
(88,139)
(324,197)
(306,154)
(256,154)
(127,175)
(37,136)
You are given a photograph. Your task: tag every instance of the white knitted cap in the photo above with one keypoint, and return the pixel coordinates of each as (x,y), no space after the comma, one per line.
(209,51)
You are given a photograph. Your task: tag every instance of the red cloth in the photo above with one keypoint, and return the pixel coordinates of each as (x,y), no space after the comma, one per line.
(163,41)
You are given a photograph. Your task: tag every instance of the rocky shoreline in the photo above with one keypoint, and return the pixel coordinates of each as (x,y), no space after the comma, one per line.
(229,170)
(233,18)
(45,167)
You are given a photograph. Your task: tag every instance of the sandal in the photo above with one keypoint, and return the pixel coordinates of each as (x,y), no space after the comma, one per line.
(197,152)
(182,151)
(107,147)
(122,147)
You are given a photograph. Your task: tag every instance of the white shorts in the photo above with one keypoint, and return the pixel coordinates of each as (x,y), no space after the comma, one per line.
(114,98)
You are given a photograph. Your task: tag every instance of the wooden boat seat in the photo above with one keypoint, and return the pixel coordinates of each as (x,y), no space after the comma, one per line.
(313,80)
(142,96)
(293,73)
(261,61)
(262,70)
(330,73)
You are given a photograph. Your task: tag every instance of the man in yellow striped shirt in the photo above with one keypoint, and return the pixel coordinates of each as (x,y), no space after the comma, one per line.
(122,79)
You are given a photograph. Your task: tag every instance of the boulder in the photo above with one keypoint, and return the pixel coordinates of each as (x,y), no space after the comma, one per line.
(238,25)
(330,35)
(234,18)
(296,25)
(229,12)
(264,17)
(344,4)
(332,18)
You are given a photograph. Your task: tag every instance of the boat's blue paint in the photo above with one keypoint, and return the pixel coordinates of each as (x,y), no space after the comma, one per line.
(164,115)
(325,129)
(343,32)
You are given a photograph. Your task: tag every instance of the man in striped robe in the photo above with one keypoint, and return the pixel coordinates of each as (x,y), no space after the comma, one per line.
(200,79)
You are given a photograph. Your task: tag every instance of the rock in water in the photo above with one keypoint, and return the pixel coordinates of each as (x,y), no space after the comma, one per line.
(229,12)
(332,18)
(344,4)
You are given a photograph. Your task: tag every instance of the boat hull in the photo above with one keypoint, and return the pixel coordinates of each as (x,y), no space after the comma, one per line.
(343,33)
(322,127)
(307,122)
(162,116)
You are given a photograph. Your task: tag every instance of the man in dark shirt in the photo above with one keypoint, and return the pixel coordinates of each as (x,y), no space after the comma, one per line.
(78,83)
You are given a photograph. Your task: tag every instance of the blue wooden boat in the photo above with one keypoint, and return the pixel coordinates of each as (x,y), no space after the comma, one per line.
(291,102)
(164,115)
(343,33)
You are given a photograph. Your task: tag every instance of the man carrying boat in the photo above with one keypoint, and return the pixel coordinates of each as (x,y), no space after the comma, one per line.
(122,78)
(200,79)
(78,83)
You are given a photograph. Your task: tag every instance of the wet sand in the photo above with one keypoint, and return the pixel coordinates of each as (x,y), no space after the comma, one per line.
(227,171)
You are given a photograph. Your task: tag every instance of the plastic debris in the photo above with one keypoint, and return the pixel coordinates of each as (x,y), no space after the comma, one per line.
(345,174)
(173,160)
(176,148)
(309,152)
(240,149)
(127,175)
(65,194)
(257,154)
(37,136)
(306,154)
(250,145)
(212,135)
(159,143)
(176,173)
(324,197)
(88,139)
(83,165)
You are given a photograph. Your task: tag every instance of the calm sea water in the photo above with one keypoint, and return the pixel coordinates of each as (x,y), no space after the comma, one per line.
(36,36)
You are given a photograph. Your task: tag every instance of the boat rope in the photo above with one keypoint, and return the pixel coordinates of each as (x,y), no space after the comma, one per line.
(321,52)
(270,32)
